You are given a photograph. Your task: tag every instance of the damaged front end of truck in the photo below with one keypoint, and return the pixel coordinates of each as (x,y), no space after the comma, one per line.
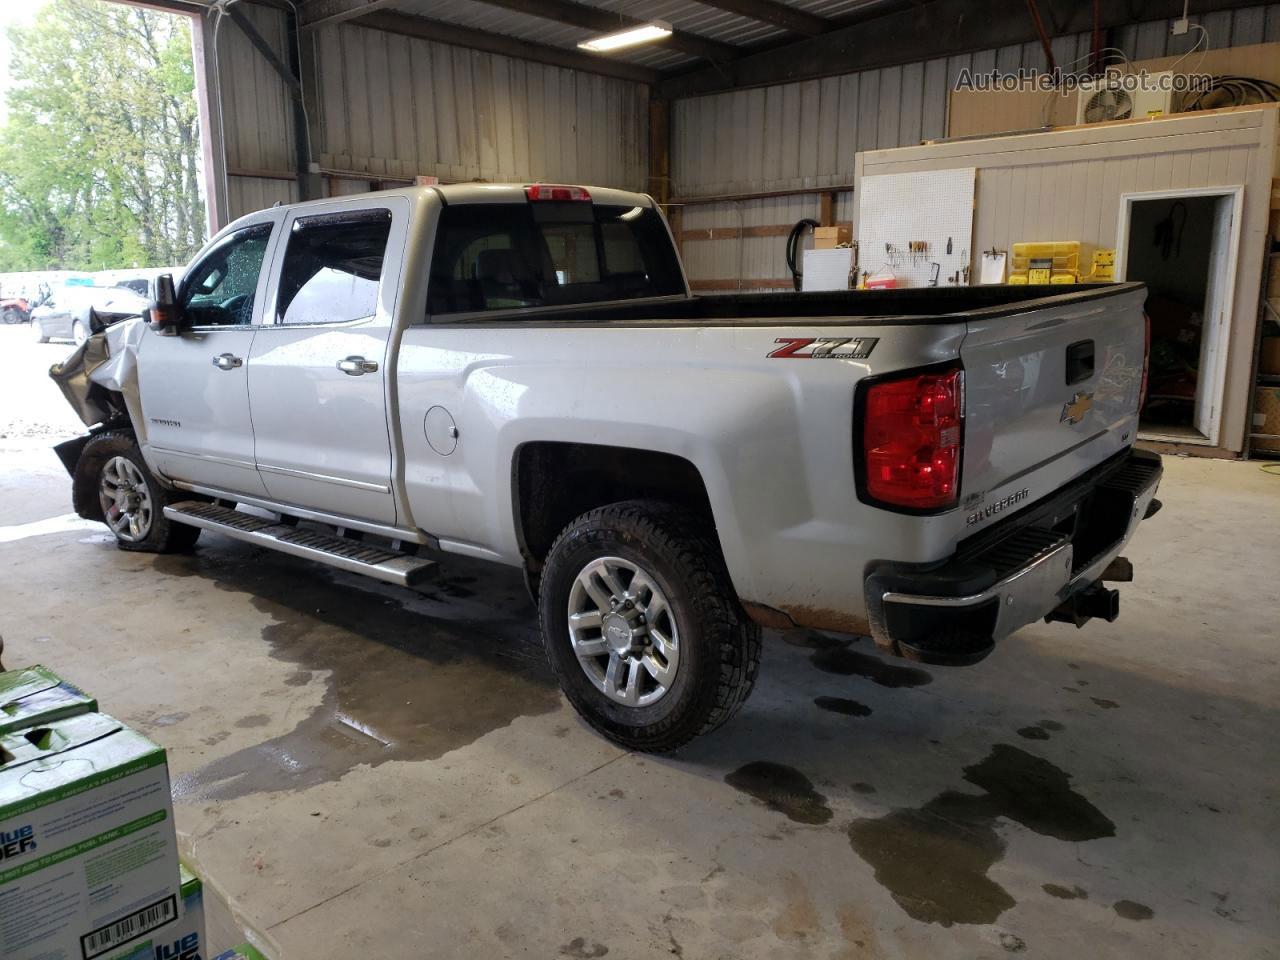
(100,381)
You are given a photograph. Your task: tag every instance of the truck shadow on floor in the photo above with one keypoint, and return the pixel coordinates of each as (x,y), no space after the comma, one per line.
(404,680)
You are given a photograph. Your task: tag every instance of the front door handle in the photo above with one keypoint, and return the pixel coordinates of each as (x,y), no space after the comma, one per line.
(227,361)
(357,366)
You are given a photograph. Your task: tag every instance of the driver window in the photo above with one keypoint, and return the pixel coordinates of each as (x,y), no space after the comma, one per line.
(219,291)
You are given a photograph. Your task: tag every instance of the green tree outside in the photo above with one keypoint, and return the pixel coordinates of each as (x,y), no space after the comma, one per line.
(100,157)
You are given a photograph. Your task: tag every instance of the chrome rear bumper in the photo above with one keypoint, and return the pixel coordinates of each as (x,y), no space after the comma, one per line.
(955,612)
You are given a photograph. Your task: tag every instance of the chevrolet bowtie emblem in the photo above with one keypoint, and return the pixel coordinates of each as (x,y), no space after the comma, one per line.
(1074,410)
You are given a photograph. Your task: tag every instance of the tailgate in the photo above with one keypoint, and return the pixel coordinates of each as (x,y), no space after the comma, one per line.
(1050,391)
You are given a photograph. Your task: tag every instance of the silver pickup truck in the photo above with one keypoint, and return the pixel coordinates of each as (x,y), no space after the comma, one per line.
(519,373)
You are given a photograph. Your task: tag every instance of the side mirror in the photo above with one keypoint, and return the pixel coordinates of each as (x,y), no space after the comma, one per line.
(164,314)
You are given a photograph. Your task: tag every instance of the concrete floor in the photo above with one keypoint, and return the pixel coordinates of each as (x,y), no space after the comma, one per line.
(364,771)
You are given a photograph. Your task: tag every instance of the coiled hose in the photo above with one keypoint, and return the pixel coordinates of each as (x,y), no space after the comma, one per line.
(793,245)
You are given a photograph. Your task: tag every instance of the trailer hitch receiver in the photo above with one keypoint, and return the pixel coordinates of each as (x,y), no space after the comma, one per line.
(1094,601)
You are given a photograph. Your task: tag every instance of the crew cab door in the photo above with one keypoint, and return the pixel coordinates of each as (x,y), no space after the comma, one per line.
(194,386)
(318,386)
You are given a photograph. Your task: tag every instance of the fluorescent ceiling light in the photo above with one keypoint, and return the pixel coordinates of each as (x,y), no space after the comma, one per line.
(629,37)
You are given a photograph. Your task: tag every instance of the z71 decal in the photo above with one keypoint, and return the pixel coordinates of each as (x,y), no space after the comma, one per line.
(824,348)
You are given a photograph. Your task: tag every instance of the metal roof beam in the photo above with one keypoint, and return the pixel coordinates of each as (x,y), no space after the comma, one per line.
(499,43)
(263,47)
(775,14)
(605,21)
(318,13)
(921,31)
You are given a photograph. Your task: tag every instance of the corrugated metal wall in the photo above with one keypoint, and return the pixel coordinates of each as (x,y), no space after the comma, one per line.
(258,123)
(399,106)
(802,135)
(395,106)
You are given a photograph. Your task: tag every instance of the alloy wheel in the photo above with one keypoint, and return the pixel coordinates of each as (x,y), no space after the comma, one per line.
(623,632)
(126,500)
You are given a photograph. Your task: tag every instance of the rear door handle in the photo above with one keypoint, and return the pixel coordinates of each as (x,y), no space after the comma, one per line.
(357,366)
(227,361)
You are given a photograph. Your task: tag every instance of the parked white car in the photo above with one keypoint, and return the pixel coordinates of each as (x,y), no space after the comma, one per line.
(520,374)
(66,314)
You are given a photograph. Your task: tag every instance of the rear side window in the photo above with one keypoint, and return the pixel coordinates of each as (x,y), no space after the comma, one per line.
(505,256)
(332,268)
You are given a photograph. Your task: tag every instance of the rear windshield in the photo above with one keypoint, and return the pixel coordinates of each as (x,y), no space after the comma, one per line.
(504,256)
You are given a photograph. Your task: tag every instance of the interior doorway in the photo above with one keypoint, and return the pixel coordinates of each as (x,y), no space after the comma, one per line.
(1183,245)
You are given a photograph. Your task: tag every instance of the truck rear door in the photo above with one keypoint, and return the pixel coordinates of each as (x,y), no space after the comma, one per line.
(318,373)
(1050,391)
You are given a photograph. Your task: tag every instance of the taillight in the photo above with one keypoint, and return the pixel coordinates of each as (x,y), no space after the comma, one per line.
(555,191)
(1146,359)
(911,440)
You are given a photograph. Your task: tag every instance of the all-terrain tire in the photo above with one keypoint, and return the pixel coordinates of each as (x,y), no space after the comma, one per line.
(719,644)
(161,535)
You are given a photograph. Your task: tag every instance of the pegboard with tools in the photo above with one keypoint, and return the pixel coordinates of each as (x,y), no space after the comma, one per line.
(917,226)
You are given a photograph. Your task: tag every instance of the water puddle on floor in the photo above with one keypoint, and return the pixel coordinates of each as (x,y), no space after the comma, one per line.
(850,708)
(848,663)
(781,788)
(934,859)
(400,684)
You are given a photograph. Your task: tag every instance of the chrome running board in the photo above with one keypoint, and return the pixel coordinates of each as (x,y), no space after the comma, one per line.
(356,556)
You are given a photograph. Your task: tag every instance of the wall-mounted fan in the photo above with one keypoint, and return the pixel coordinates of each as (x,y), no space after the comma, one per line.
(1106,104)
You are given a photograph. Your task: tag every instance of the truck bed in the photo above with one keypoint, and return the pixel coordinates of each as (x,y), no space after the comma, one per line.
(927,305)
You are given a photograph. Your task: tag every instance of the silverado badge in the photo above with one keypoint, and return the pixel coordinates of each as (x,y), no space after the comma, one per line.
(1073,411)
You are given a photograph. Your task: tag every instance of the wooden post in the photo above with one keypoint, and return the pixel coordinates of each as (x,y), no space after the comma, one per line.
(827,209)
(660,150)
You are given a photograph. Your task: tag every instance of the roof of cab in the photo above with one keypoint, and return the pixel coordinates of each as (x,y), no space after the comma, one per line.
(462,193)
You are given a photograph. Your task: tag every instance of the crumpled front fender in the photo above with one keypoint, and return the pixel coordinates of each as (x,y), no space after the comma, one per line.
(100,377)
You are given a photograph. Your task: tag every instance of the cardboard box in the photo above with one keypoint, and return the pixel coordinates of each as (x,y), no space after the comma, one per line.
(88,855)
(243,952)
(36,695)
(1266,418)
(184,939)
(828,238)
(1269,357)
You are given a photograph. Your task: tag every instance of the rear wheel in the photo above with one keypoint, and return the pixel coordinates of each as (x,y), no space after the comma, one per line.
(131,500)
(642,627)
(37,331)
(12,315)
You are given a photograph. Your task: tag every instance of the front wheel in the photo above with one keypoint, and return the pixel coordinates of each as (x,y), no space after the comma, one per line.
(131,500)
(642,627)
(37,331)
(78,333)
(12,315)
